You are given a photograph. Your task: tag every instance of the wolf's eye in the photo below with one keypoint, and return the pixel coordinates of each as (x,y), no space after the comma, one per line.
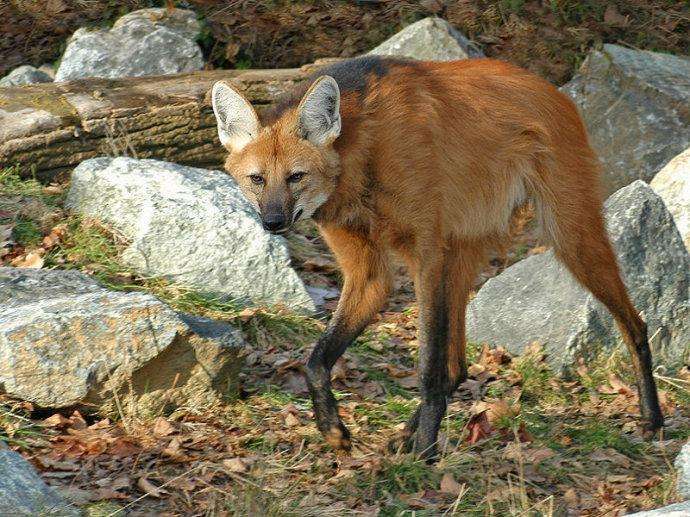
(296,177)
(257,179)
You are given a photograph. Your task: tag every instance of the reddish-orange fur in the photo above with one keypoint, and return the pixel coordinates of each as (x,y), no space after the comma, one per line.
(432,161)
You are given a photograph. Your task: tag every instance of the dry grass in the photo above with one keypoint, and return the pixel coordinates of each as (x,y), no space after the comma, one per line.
(575,446)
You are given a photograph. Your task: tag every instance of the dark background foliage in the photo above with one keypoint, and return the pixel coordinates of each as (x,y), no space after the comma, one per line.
(550,37)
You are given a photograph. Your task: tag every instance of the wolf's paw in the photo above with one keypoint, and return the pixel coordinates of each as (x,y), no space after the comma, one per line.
(338,437)
(651,426)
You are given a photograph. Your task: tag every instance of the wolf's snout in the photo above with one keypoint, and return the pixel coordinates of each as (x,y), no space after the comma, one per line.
(274,222)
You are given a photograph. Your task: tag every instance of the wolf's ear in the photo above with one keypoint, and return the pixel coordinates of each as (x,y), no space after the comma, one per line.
(319,112)
(238,123)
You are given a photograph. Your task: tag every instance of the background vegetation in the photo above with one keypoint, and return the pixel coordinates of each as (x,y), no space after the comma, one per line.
(550,37)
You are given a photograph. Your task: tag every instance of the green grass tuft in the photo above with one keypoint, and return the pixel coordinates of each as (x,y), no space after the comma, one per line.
(27,232)
(594,435)
(399,475)
(12,184)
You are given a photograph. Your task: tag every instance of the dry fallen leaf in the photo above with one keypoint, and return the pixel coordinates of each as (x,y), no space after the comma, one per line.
(31,260)
(174,450)
(409,382)
(66,465)
(571,498)
(291,420)
(236,465)
(616,386)
(342,475)
(318,263)
(500,409)
(54,237)
(611,455)
(108,493)
(56,420)
(668,407)
(614,18)
(450,486)
(536,456)
(475,369)
(53,189)
(340,370)
(162,428)
(149,488)
(77,421)
(246,314)
(123,448)
(479,428)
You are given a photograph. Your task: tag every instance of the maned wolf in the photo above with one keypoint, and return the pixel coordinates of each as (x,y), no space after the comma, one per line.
(427,160)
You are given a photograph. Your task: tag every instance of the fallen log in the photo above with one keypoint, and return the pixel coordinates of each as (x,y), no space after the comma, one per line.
(49,128)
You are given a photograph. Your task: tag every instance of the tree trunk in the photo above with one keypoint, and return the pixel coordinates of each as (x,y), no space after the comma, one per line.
(49,128)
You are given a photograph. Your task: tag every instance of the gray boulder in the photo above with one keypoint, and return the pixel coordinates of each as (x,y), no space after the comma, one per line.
(23,492)
(64,339)
(682,464)
(636,106)
(672,183)
(538,300)
(192,226)
(25,74)
(430,39)
(144,42)
(674,510)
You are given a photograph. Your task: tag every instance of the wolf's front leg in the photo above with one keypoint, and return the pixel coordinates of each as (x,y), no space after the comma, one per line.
(366,287)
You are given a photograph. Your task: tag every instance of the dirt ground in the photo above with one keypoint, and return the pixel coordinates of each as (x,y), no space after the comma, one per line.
(517,440)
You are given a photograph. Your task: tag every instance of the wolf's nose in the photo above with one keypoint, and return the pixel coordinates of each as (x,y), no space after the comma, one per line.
(273,223)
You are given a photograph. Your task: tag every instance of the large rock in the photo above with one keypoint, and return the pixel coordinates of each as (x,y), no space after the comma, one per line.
(636,105)
(673,510)
(672,183)
(430,39)
(682,464)
(145,42)
(538,300)
(64,339)
(23,492)
(192,226)
(25,74)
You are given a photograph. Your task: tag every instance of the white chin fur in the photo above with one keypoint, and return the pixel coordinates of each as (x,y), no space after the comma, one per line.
(309,209)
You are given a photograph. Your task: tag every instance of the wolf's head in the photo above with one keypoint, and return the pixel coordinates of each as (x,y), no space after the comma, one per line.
(287,169)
